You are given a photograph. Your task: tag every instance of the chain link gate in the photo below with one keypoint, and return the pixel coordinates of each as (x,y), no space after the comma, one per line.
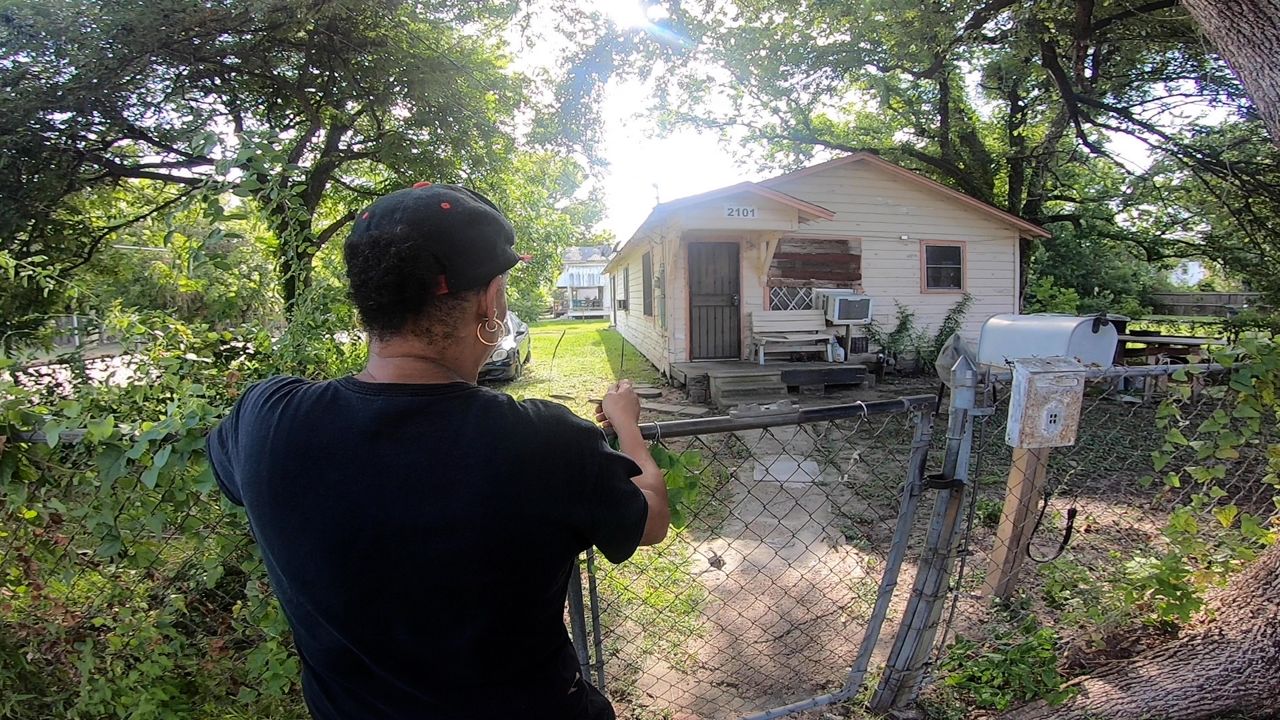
(771,600)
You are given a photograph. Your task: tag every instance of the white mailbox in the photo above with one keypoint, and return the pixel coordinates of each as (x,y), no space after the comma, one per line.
(1044,407)
(1006,338)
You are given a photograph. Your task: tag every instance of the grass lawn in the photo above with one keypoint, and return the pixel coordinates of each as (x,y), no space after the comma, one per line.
(579,360)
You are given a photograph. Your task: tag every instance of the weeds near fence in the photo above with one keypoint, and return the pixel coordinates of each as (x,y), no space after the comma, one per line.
(1174,484)
(1016,663)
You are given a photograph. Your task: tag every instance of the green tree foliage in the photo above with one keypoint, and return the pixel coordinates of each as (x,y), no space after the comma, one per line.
(294,114)
(1086,264)
(1200,452)
(1232,219)
(1045,296)
(1016,104)
(134,590)
(538,191)
(185,266)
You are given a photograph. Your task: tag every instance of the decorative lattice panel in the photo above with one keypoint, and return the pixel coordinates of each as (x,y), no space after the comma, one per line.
(790,298)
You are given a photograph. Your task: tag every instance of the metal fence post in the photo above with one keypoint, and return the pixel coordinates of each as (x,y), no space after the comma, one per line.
(578,621)
(905,669)
(596,637)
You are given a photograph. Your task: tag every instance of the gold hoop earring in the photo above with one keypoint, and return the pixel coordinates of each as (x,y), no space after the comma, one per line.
(482,328)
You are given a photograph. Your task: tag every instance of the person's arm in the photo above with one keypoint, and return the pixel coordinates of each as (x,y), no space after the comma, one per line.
(621,411)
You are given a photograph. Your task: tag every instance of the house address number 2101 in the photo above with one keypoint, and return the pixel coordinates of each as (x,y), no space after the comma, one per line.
(740,211)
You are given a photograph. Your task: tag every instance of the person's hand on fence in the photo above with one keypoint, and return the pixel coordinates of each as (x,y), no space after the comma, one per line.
(620,407)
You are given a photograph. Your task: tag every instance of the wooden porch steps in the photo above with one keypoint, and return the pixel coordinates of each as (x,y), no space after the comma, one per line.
(753,387)
(733,382)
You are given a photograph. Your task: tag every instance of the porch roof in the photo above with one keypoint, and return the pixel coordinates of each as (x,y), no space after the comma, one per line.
(806,211)
(1025,228)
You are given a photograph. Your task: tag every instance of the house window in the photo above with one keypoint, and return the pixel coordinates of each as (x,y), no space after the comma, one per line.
(646,276)
(625,302)
(943,266)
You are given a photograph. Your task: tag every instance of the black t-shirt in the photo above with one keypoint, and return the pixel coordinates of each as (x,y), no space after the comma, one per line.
(421,538)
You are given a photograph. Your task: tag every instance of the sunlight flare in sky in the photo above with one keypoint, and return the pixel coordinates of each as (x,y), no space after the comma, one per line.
(632,13)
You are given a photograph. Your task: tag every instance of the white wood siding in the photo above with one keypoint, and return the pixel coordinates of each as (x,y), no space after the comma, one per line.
(644,332)
(880,208)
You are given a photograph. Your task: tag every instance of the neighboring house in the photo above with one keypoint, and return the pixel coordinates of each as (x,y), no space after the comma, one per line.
(581,291)
(689,277)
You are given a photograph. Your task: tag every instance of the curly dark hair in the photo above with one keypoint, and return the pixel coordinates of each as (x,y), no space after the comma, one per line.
(391,282)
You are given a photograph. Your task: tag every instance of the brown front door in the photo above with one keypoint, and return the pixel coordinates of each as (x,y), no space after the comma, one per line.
(714,332)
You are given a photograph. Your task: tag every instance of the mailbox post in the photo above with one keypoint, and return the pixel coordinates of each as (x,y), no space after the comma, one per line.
(1044,413)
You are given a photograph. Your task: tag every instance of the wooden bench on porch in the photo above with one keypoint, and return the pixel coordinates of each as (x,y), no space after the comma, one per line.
(790,331)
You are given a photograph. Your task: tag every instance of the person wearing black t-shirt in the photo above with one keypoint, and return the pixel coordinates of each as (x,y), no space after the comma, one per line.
(420,531)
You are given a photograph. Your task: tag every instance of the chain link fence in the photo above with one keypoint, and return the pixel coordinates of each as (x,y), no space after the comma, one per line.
(128,576)
(826,555)
(125,577)
(1101,542)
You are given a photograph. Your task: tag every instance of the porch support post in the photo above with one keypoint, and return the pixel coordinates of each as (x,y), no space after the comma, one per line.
(768,247)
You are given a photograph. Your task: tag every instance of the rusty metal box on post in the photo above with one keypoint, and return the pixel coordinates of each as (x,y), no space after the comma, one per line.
(1044,407)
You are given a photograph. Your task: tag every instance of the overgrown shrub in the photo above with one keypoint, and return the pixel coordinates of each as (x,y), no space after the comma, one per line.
(135,590)
(907,343)
(1045,296)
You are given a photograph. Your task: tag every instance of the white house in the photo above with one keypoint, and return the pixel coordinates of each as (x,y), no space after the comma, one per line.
(686,282)
(582,290)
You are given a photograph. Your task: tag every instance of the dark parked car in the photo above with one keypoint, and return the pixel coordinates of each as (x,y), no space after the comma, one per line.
(509,357)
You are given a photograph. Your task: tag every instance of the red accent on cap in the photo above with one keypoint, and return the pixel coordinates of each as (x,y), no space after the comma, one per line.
(446,206)
(422,184)
(442,286)
(364,216)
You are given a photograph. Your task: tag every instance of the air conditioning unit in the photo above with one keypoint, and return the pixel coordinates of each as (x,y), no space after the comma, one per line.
(844,307)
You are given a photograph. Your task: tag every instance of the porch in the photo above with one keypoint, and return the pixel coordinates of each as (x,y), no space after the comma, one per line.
(725,383)
(581,302)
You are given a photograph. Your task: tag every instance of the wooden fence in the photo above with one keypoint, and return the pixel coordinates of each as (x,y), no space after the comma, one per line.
(1211,304)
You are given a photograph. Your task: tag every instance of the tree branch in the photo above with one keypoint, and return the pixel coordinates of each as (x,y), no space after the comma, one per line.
(110,230)
(326,234)
(1075,219)
(357,190)
(329,161)
(1071,100)
(1143,9)
(947,168)
(112,168)
(985,14)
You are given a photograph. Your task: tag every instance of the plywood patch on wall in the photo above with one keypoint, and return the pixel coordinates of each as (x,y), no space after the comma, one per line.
(816,262)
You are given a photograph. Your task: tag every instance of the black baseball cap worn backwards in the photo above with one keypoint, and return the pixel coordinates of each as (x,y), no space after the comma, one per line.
(471,240)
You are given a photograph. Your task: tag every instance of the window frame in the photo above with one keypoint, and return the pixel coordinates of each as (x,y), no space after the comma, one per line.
(646,279)
(924,267)
(626,288)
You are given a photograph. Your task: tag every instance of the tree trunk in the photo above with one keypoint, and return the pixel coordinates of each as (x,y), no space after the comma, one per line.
(1231,665)
(1247,33)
